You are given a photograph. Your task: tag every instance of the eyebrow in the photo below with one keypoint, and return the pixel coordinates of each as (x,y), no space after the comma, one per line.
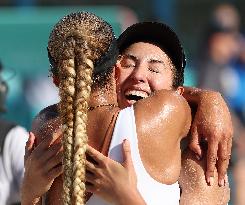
(156,61)
(130,56)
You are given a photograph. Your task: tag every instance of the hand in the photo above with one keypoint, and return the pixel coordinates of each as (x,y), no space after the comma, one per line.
(42,165)
(111,180)
(212,123)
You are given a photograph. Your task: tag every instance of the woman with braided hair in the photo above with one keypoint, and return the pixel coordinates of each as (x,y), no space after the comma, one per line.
(169,122)
(77,46)
(82,53)
(77,49)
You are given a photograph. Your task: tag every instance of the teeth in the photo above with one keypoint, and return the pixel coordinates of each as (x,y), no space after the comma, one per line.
(138,93)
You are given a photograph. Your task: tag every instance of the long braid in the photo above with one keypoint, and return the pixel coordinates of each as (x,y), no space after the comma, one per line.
(83,89)
(66,91)
(76,43)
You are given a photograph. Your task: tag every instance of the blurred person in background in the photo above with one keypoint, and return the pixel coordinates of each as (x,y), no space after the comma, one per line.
(236,100)
(12,149)
(39,92)
(222,68)
(221,49)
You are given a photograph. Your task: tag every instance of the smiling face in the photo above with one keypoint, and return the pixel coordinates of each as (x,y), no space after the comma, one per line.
(142,69)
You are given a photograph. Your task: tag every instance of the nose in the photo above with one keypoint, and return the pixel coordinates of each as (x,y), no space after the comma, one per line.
(139,74)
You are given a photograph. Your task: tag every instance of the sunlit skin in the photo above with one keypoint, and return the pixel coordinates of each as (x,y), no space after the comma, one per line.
(163,105)
(142,69)
(136,79)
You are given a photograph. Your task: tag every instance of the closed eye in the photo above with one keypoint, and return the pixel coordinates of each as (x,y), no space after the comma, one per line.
(128,61)
(154,70)
(128,66)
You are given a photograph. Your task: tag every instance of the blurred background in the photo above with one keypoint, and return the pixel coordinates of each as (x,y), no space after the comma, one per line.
(211,31)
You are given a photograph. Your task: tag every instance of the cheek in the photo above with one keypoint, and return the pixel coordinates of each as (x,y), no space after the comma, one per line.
(121,77)
(162,82)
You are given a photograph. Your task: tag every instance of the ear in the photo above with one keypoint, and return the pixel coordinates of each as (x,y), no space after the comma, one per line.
(56,81)
(180,90)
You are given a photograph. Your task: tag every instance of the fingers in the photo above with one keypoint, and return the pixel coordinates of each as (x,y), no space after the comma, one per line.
(127,154)
(91,167)
(194,144)
(51,152)
(91,188)
(53,162)
(45,144)
(96,155)
(55,172)
(92,181)
(211,161)
(223,162)
(93,184)
(229,146)
(47,158)
(90,177)
(29,145)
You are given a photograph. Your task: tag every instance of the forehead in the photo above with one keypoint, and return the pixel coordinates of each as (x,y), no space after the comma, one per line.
(145,50)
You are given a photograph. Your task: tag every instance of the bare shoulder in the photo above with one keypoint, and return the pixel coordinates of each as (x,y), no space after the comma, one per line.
(161,122)
(45,122)
(165,104)
(193,184)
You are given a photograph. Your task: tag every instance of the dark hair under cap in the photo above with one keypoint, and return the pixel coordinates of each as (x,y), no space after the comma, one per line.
(108,60)
(158,34)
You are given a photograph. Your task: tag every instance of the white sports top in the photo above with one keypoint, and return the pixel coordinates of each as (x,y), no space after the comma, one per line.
(153,192)
(12,165)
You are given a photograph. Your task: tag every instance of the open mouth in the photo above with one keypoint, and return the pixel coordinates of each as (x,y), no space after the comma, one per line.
(135,95)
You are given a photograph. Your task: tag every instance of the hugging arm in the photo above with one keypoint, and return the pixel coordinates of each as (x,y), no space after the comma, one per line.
(211,123)
(42,163)
(194,188)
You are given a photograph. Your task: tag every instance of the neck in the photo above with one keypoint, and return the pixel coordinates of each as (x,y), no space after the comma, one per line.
(103,96)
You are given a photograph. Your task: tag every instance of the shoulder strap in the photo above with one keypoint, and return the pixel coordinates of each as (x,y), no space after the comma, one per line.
(106,144)
(109,133)
(4,129)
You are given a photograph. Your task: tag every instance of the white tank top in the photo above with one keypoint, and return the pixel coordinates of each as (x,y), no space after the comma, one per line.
(153,192)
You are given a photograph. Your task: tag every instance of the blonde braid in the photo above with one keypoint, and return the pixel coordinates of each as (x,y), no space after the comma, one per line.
(83,83)
(67,116)
(76,42)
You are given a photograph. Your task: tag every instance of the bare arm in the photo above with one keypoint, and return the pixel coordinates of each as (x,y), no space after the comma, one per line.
(211,122)
(27,196)
(42,166)
(194,187)
(43,156)
(162,121)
